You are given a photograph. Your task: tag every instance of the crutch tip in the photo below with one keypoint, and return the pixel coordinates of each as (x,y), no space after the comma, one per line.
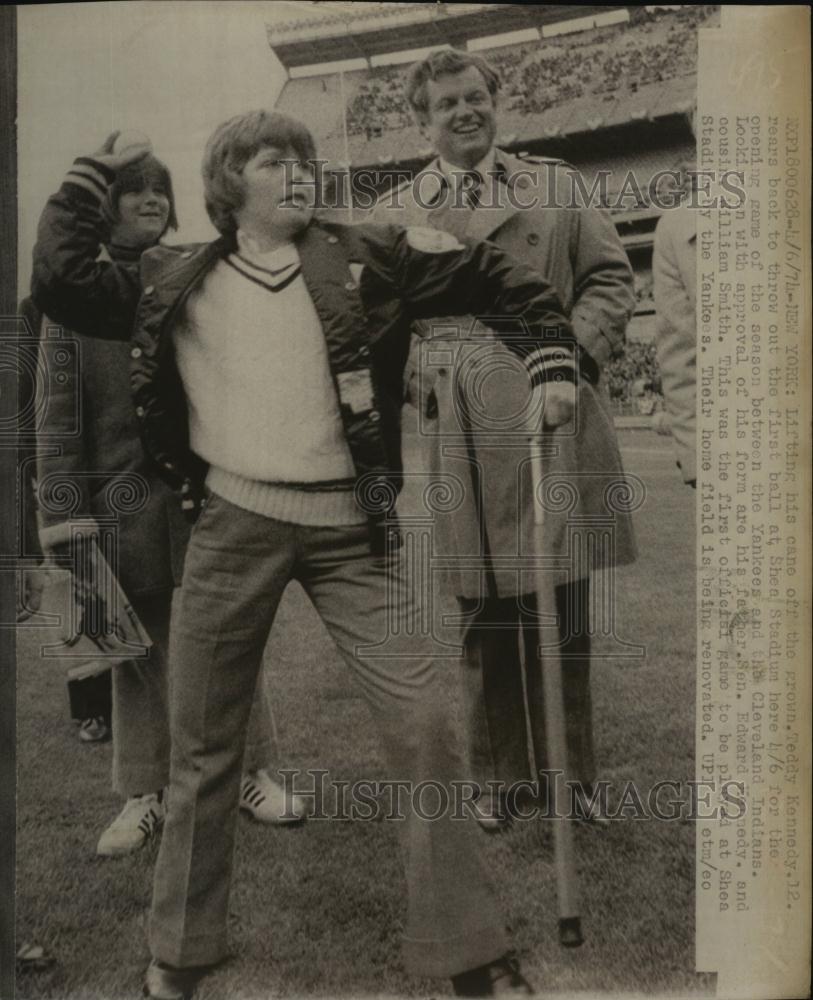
(570,932)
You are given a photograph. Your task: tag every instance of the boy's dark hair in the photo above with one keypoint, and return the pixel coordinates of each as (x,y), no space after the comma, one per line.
(135,177)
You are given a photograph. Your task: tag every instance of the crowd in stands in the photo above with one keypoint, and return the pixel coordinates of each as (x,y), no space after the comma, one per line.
(654,46)
(644,290)
(379,106)
(601,62)
(633,379)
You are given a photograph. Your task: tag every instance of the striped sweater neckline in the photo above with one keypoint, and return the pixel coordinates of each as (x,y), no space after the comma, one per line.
(274,279)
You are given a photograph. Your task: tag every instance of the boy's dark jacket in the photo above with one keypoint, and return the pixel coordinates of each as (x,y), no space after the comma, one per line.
(368,283)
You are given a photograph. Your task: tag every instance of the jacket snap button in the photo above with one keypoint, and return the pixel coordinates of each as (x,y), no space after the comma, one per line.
(350,286)
(149,289)
(139,411)
(533,239)
(333,239)
(136,352)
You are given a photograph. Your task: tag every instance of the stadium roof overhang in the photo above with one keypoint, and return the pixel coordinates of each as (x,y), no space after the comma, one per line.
(351,36)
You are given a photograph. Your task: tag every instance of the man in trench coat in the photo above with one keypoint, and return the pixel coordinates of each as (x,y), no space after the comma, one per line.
(474,403)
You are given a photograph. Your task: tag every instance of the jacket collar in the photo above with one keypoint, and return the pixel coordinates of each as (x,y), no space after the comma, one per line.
(181,266)
(123,255)
(175,273)
(484,168)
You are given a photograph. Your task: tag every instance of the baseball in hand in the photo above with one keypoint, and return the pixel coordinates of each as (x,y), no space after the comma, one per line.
(128,142)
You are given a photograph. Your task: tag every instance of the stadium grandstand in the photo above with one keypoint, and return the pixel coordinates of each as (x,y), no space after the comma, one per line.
(605,88)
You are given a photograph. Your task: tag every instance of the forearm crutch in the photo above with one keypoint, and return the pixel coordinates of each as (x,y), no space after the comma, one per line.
(567,889)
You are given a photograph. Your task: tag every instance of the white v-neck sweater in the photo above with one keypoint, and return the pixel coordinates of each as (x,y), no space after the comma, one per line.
(263,410)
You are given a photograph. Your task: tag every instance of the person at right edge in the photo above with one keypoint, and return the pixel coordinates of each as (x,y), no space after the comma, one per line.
(475,402)
(675,283)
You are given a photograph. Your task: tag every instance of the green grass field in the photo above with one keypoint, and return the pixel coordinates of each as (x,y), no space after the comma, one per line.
(316,910)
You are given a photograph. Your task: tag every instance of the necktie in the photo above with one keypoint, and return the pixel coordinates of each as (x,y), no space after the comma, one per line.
(471,183)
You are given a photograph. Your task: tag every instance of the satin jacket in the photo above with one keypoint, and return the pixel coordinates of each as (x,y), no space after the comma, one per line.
(368,284)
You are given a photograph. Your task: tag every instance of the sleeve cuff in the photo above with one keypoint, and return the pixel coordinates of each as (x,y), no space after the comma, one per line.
(552,363)
(593,340)
(91,176)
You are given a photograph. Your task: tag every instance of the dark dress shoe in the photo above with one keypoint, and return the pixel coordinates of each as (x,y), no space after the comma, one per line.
(502,978)
(166,982)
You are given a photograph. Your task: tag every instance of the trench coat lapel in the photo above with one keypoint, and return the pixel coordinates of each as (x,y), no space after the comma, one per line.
(459,220)
(440,212)
(482,222)
(486,219)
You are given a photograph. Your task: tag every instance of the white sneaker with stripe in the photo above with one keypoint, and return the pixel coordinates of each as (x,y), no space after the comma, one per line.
(268,802)
(139,820)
